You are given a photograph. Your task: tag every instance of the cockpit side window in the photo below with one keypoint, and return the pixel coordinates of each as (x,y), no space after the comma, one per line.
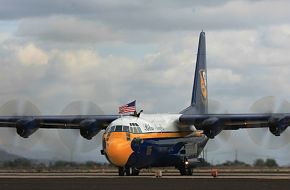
(139,130)
(112,129)
(131,129)
(135,130)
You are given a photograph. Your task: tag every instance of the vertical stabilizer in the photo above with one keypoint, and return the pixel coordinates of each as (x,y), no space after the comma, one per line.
(199,100)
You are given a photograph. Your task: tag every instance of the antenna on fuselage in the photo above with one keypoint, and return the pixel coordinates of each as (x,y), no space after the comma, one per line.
(138,115)
(135,114)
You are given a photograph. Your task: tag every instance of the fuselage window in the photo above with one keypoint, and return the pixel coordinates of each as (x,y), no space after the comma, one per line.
(135,130)
(118,128)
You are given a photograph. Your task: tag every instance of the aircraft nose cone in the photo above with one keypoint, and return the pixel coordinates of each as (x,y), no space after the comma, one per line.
(118,151)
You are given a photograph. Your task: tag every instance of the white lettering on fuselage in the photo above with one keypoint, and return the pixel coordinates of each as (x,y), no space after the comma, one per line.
(160,128)
(148,127)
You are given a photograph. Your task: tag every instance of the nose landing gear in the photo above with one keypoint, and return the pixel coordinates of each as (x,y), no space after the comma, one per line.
(185,168)
(129,171)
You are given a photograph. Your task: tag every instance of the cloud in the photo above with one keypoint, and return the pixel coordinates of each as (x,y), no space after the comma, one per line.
(30,55)
(234,57)
(142,21)
(225,77)
(4,36)
(66,29)
(15,9)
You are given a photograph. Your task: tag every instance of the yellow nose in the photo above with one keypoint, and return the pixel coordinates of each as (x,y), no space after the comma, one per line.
(118,149)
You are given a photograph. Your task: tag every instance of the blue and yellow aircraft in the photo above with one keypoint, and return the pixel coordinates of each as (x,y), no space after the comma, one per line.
(133,142)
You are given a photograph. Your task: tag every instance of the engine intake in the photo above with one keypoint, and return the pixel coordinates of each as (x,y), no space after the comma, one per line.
(90,128)
(211,127)
(26,127)
(277,125)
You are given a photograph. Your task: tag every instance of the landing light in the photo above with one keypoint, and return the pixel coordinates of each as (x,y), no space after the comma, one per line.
(186,162)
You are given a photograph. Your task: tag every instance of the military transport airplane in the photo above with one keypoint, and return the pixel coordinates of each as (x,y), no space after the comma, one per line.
(133,142)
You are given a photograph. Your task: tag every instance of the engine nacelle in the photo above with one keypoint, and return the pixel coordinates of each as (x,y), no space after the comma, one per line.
(89,128)
(211,127)
(26,127)
(277,125)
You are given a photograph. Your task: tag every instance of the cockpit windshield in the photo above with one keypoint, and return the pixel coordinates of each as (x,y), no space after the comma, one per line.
(123,128)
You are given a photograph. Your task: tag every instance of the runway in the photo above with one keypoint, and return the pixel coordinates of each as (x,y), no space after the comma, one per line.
(114,175)
(108,179)
(142,183)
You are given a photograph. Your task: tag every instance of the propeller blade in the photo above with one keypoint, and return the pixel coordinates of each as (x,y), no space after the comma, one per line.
(72,139)
(262,136)
(8,136)
(215,107)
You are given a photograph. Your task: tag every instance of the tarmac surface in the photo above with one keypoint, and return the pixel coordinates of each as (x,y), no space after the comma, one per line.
(108,179)
(142,183)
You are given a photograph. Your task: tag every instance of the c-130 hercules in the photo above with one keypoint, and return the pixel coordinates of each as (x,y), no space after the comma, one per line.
(133,142)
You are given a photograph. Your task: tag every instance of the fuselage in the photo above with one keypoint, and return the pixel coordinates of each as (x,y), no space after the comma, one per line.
(149,140)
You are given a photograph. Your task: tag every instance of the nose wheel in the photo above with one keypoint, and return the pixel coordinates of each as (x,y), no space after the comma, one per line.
(129,171)
(185,171)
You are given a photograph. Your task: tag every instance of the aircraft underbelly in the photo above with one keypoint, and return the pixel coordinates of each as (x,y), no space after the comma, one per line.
(164,152)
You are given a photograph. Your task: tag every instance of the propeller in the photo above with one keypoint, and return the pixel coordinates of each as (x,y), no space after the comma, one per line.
(72,139)
(8,136)
(262,136)
(215,107)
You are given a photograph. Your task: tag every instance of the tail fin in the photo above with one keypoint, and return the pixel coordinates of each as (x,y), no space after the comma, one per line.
(199,101)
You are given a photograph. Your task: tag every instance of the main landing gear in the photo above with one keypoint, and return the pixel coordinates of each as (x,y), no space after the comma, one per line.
(129,171)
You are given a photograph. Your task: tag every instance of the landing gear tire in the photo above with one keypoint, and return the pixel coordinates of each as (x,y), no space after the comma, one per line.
(185,170)
(131,171)
(135,172)
(128,171)
(121,171)
(189,171)
(182,170)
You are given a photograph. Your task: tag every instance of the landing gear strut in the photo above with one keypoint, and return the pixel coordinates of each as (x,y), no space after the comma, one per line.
(129,171)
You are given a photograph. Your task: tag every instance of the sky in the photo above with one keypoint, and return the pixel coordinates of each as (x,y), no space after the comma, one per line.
(109,52)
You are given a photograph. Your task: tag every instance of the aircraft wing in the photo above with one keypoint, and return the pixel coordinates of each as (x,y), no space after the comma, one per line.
(89,125)
(215,123)
(58,122)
